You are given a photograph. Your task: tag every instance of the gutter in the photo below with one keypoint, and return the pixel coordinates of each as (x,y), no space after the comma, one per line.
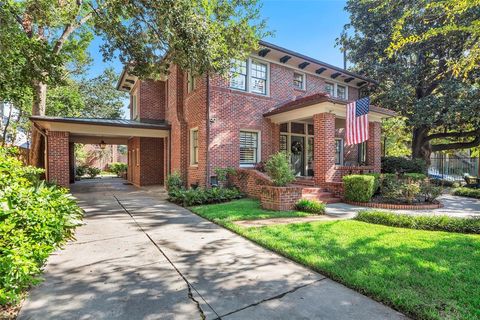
(207,155)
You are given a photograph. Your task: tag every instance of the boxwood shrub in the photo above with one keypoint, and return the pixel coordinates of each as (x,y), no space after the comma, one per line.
(359,188)
(35,219)
(198,196)
(310,206)
(403,165)
(433,223)
(467,192)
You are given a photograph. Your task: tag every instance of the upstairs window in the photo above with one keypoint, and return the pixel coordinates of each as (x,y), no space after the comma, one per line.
(248,147)
(330,89)
(341,92)
(258,77)
(238,75)
(299,81)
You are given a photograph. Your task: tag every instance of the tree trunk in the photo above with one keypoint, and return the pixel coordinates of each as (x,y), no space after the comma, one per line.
(38,109)
(421,148)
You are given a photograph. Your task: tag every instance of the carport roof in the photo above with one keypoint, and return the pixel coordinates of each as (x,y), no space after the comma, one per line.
(151,124)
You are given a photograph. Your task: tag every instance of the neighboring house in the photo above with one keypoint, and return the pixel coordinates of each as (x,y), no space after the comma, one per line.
(276,100)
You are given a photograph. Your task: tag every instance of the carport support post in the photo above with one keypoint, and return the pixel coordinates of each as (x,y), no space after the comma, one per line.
(58,155)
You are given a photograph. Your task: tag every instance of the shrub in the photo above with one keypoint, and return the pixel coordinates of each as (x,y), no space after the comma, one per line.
(433,223)
(93,172)
(311,206)
(198,196)
(415,176)
(359,188)
(278,168)
(445,183)
(467,192)
(377,183)
(118,168)
(35,219)
(410,190)
(80,171)
(403,165)
(174,181)
(223,175)
(430,191)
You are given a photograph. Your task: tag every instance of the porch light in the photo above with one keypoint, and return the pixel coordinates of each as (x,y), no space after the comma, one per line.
(102,145)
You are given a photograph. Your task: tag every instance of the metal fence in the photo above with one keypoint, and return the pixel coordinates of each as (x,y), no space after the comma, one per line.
(452,168)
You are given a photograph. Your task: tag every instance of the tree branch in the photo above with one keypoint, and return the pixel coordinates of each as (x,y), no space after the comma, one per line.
(461,134)
(458,145)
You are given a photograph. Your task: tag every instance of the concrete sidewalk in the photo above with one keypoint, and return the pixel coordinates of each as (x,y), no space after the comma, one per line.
(140,257)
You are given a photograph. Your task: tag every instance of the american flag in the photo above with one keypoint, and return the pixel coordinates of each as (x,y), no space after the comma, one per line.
(357,121)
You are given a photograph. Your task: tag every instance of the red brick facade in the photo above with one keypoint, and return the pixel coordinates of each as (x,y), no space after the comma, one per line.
(145,161)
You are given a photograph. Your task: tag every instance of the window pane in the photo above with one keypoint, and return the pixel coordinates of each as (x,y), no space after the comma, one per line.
(284,127)
(338,151)
(283,143)
(238,75)
(298,128)
(329,89)
(341,92)
(248,147)
(298,80)
(194,146)
(310,129)
(258,75)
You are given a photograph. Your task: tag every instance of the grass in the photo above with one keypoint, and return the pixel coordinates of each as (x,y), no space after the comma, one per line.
(425,274)
(243,209)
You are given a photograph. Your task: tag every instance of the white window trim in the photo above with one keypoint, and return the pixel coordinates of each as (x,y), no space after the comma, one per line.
(335,88)
(192,164)
(304,82)
(134,106)
(342,151)
(259,148)
(249,82)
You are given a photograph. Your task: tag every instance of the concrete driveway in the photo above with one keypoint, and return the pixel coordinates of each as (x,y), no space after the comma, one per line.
(140,257)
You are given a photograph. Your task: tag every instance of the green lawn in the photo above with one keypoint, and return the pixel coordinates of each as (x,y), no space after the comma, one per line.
(243,209)
(425,274)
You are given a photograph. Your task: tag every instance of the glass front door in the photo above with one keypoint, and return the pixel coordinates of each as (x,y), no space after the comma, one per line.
(297,149)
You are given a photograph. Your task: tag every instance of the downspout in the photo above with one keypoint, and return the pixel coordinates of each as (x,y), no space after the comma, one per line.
(207,155)
(46,148)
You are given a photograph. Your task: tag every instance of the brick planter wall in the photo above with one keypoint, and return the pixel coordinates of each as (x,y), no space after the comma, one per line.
(250,182)
(280,198)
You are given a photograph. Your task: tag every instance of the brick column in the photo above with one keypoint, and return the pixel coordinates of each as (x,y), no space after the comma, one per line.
(324,147)
(58,155)
(374,146)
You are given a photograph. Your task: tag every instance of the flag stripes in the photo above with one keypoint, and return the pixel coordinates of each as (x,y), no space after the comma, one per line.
(357,121)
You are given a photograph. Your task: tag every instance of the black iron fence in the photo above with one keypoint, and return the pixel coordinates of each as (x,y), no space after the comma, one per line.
(452,168)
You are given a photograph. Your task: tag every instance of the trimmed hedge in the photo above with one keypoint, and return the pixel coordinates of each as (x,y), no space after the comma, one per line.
(403,165)
(359,188)
(467,192)
(198,196)
(432,223)
(310,206)
(35,219)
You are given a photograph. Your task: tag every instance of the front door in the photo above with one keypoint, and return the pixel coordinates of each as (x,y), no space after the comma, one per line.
(297,149)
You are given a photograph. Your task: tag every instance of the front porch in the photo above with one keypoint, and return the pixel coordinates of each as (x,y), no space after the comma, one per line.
(312,130)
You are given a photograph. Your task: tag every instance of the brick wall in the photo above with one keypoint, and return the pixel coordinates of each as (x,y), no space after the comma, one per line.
(374,146)
(324,147)
(151,100)
(58,155)
(280,198)
(151,160)
(250,182)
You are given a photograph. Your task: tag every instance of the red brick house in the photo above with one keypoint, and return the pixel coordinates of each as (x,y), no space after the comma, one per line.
(275,100)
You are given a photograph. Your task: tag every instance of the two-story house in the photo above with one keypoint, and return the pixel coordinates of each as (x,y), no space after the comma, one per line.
(276,100)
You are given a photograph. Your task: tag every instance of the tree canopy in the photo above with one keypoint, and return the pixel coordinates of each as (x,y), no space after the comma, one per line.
(418,78)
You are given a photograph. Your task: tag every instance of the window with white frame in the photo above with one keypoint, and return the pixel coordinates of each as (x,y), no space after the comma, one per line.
(339,152)
(248,147)
(330,89)
(192,83)
(134,107)
(238,75)
(194,146)
(341,92)
(258,77)
(299,80)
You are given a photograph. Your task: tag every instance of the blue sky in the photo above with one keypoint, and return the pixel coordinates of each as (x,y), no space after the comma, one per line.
(306,26)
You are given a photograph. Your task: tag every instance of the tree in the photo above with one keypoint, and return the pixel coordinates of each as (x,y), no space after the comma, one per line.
(397,139)
(101,97)
(442,109)
(52,36)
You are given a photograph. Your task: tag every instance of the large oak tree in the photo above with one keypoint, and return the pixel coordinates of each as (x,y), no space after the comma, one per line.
(423,65)
(43,39)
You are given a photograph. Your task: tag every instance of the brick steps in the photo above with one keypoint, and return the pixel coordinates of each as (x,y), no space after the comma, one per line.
(318,194)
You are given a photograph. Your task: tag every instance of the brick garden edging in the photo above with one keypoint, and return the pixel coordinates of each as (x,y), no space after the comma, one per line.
(396,206)
(280,198)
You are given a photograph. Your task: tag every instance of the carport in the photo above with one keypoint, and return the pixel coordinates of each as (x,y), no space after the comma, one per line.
(147,144)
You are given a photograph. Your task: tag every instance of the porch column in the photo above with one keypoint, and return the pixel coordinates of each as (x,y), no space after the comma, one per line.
(374,146)
(58,155)
(324,147)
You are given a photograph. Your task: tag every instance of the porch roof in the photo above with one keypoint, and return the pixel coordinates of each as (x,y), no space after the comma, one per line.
(306,107)
(93,130)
